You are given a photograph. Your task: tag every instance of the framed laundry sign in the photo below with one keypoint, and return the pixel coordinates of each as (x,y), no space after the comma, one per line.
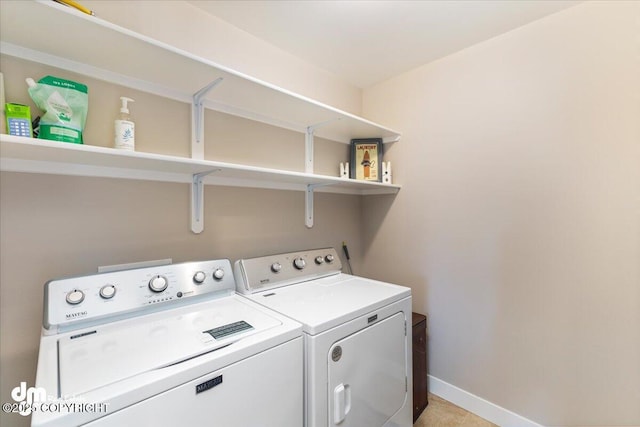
(366,159)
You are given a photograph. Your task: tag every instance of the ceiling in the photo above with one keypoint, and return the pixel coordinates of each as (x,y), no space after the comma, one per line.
(366,42)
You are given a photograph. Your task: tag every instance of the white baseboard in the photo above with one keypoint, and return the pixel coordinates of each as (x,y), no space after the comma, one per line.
(472,403)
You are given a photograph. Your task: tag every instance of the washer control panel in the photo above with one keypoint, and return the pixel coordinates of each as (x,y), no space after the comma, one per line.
(77,301)
(273,271)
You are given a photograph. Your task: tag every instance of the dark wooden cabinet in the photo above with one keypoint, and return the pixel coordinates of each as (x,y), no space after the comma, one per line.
(420,401)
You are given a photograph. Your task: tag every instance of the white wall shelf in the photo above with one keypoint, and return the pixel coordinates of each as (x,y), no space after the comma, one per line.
(65,38)
(20,154)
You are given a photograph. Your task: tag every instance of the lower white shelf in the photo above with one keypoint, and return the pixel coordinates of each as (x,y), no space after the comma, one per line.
(20,154)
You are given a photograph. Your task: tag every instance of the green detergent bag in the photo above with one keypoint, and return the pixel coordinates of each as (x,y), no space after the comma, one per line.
(65,104)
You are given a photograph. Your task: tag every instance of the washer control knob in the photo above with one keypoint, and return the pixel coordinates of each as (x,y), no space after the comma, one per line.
(158,283)
(107,291)
(299,263)
(75,296)
(329,258)
(218,274)
(199,277)
(276,267)
(319,260)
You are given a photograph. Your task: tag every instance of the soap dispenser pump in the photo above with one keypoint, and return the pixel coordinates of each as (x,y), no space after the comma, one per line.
(125,128)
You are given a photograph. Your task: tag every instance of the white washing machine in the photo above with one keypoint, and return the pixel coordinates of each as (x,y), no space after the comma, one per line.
(357,336)
(170,345)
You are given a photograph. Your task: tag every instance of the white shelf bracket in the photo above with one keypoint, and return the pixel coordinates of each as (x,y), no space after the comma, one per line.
(308,204)
(197,201)
(197,120)
(308,144)
(308,150)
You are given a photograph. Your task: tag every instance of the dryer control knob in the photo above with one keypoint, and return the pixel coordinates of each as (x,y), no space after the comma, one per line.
(276,267)
(319,260)
(299,263)
(158,283)
(199,277)
(107,291)
(75,296)
(329,258)
(218,274)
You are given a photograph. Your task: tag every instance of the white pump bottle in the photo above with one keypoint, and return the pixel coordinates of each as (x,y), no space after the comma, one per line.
(125,128)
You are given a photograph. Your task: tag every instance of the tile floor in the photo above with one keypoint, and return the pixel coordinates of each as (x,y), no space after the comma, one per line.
(441,413)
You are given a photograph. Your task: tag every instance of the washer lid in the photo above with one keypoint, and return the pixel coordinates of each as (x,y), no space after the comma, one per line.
(322,304)
(94,358)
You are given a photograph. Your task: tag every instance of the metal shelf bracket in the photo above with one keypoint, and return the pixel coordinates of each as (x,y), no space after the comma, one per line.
(308,150)
(308,143)
(308,168)
(197,201)
(308,204)
(197,120)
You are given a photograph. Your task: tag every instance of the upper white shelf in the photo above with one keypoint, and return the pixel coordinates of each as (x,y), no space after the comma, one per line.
(20,154)
(65,38)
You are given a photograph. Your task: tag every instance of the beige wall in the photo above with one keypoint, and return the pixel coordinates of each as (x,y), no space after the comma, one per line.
(55,226)
(518,224)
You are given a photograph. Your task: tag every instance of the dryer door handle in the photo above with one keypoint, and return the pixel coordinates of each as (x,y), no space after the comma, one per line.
(341,402)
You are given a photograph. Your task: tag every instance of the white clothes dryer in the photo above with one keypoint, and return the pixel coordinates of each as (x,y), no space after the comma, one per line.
(165,346)
(357,336)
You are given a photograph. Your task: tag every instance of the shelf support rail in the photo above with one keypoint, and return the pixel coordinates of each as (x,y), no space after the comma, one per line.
(308,150)
(308,203)
(197,120)
(308,143)
(197,201)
